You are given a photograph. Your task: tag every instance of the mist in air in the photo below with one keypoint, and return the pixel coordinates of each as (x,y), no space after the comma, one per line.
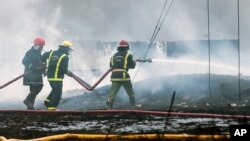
(86,23)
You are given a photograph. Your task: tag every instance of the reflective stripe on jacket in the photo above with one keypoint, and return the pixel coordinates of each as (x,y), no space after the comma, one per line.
(121,62)
(57,65)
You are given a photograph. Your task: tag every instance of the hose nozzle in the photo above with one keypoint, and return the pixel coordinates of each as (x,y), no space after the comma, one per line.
(149,60)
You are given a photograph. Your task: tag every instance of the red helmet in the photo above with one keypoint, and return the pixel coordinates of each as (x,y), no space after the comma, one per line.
(39,41)
(123,44)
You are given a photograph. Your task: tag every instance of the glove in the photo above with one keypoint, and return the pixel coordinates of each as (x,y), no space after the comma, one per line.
(44,74)
(41,67)
(70,74)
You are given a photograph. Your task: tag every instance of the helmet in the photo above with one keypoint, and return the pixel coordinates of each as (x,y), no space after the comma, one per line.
(123,44)
(39,41)
(67,44)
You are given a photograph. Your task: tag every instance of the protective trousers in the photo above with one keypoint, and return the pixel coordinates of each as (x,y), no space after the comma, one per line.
(55,95)
(116,85)
(30,99)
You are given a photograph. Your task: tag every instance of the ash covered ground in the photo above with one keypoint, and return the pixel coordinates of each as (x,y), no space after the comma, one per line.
(192,95)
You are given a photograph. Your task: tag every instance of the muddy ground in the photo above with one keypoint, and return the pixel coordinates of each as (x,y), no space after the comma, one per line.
(192,95)
(34,125)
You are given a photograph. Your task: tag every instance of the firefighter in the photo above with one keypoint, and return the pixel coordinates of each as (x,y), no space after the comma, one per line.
(57,67)
(121,62)
(33,63)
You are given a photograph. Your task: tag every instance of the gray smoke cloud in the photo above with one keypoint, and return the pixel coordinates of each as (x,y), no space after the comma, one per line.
(110,20)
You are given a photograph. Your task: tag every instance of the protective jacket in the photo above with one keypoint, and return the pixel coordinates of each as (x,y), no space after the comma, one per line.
(121,62)
(57,64)
(32,61)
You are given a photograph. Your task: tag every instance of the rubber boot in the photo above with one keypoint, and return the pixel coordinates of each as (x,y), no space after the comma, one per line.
(132,101)
(109,104)
(29,101)
(28,104)
(46,103)
(134,106)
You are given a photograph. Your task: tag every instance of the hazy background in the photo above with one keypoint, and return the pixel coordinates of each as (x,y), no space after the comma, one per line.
(111,20)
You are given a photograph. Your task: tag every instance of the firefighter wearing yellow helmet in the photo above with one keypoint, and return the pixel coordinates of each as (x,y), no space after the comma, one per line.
(57,67)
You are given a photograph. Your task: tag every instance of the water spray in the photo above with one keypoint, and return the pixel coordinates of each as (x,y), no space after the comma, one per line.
(197,62)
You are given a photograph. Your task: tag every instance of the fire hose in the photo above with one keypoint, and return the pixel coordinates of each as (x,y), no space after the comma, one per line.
(90,88)
(139,112)
(142,137)
(15,79)
(78,79)
(86,85)
(22,75)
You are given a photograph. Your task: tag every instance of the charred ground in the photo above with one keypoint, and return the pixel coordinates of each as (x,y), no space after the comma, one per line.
(192,95)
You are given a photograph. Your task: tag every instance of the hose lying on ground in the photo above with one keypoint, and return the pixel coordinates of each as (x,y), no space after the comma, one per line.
(185,137)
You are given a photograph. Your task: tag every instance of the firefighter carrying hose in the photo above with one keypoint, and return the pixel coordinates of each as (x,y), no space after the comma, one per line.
(57,66)
(121,62)
(33,63)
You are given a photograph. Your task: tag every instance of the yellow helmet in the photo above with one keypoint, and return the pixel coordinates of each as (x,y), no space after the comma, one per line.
(67,44)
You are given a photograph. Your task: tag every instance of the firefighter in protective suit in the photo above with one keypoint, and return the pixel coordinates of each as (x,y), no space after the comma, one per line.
(57,67)
(121,62)
(33,63)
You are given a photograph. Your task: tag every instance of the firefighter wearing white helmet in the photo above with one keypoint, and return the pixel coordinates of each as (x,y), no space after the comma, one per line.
(57,67)
(121,62)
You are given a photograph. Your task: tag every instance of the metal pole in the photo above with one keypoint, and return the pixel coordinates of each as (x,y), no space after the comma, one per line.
(169,111)
(209,50)
(238,4)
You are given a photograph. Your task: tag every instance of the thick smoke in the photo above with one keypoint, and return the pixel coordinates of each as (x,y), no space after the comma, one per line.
(85,22)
